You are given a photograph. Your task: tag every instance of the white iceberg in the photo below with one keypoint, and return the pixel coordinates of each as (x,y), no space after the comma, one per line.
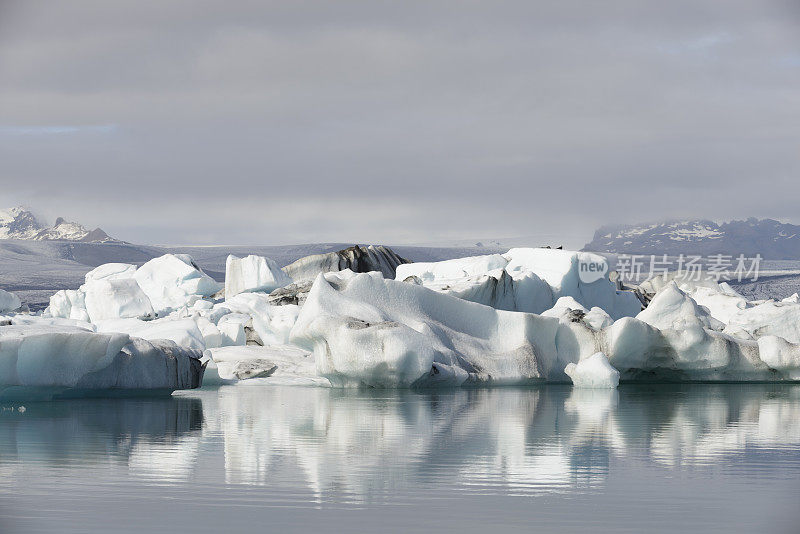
(367,330)
(253,273)
(183,332)
(283,365)
(111,271)
(68,304)
(768,318)
(115,298)
(174,280)
(8,301)
(45,362)
(272,323)
(526,279)
(593,372)
(673,309)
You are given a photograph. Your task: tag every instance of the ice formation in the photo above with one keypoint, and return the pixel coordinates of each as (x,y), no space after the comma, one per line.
(121,291)
(527,316)
(593,372)
(8,301)
(525,279)
(174,280)
(45,362)
(357,259)
(253,273)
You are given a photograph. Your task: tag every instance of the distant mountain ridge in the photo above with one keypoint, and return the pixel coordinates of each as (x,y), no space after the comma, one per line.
(20,223)
(772,239)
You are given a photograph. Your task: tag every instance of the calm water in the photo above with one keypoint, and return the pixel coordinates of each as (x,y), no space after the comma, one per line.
(696,458)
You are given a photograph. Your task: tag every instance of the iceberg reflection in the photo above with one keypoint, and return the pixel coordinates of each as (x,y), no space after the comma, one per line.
(158,438)
(365,446)
(345,446)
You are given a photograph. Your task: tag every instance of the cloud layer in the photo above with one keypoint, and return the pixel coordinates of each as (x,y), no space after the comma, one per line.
(276,122)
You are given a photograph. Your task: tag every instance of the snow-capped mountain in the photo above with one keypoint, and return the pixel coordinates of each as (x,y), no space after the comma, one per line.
(20,223)
(772,239)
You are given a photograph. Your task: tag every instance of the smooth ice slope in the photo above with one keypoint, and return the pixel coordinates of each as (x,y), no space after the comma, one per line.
(252,273)
(593,372)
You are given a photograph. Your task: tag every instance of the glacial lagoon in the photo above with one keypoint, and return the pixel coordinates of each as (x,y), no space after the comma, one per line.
(643,458)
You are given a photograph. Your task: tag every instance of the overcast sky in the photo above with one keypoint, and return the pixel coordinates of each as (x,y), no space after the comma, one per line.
(257,122)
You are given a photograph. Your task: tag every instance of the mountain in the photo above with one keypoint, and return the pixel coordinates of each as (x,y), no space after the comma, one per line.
(772,239)
(20,223)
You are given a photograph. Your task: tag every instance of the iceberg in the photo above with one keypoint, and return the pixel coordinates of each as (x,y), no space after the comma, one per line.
(8,301)
(672,309)
(593,372)
(357,259)
(526,279)
(253,273)
(174,280)
(111,271)
(272,365)
(121,291)
(366,330)
(183,332)
(767,318)
(115,298)
(39,362)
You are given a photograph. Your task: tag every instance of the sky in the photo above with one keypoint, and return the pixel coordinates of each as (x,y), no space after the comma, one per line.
(260,122)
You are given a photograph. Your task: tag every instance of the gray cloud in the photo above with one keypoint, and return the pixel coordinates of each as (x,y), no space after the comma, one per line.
(276,122)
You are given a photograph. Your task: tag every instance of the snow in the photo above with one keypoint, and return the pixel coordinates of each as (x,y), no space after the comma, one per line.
(44,362)
(8,301)
(253,273)
(593,372)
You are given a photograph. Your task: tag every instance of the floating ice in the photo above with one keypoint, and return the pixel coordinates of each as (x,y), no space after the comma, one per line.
(284,365)
(45,362)
(593,372)
(8,301)
(526,279)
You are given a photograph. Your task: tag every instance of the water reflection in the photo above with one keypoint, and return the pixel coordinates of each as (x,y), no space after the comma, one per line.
(356,446)
(155,437)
